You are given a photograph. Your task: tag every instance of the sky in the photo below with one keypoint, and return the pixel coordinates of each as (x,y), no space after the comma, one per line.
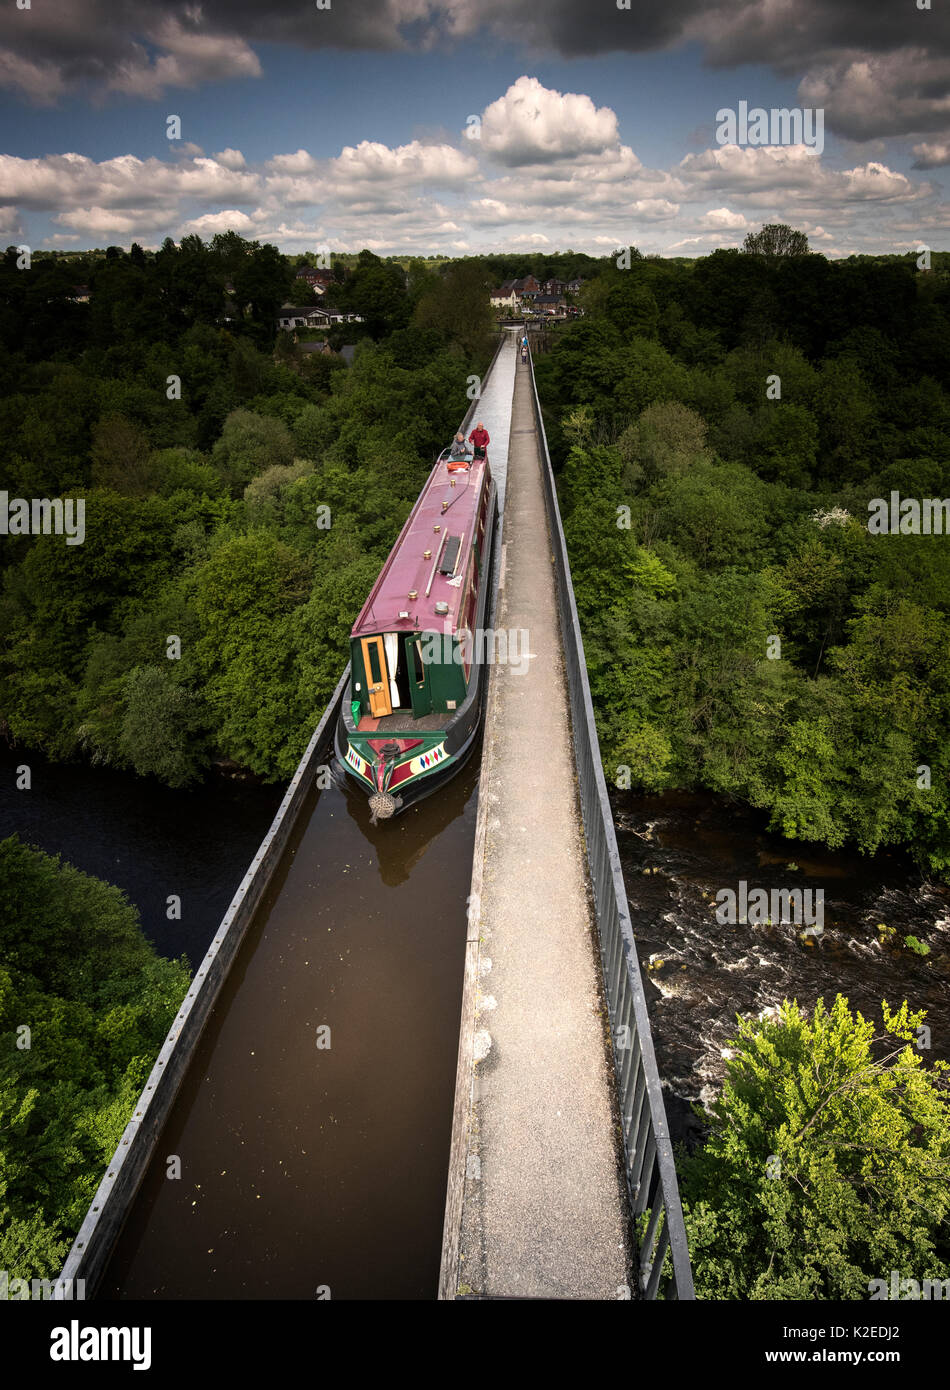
(465,126)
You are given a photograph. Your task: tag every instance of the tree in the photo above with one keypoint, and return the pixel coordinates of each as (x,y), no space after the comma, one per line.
(456,306)
(668,439)
(249,444)
(377,292)
(776,239)
(245,593)
(828,1164)
(99,1001)
(120,457)
(161,719)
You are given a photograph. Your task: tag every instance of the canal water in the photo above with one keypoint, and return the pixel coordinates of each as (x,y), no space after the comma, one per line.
(306,1155)
(678,850)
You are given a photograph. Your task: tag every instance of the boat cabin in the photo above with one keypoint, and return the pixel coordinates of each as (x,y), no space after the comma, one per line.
(412,646)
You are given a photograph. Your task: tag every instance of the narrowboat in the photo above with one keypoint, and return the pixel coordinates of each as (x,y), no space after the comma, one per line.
(418,673)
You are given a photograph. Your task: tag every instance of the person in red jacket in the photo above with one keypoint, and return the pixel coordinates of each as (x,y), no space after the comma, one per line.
(479,437)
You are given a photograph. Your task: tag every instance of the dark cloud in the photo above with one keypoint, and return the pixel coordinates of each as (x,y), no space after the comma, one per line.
(108,43)
(881,67)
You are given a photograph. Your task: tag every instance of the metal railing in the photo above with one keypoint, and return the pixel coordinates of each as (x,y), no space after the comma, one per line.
(659,1229)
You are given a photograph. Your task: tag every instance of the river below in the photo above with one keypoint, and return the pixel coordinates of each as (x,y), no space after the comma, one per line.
(679,850)
(147,839)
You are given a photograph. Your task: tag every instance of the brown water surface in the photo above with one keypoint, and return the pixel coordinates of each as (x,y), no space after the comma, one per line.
(307,1169)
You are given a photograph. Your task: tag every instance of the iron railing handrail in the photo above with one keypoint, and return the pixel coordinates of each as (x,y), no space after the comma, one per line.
(649,1166)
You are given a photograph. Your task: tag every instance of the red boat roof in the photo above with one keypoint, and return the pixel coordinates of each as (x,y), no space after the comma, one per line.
(407,569)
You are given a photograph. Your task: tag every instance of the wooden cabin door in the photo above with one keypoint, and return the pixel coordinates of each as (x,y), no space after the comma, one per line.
(418,678)
(377,681)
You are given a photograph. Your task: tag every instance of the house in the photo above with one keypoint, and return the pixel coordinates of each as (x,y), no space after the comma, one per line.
(526,288)
(504,299)
(318,280)
(81,295)
(302,316)
(550,303)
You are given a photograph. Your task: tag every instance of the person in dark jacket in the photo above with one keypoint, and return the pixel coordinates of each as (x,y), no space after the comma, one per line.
(458,449)
(480,438)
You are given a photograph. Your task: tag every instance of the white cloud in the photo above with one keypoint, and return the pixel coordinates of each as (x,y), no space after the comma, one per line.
(73,180)
(231,159)
(300,163)
(97,221)
(9,222)
(407,165)
(797,172)
(212,222)
(654,209)
(532,124)
(721,219)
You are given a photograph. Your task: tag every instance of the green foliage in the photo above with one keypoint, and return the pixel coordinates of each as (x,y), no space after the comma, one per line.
(159,727)
(828,1164)
(250,444)
(456,306)
(738,446)
(76,971)
(247,518)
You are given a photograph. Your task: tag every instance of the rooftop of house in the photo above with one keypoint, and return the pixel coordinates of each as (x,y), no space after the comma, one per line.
(300,311)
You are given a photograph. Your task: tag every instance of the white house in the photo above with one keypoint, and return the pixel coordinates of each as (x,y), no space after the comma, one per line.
(505,299)
(306,316)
